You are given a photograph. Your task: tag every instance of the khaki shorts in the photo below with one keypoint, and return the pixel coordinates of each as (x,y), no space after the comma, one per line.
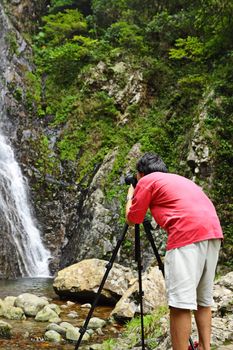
(189,274)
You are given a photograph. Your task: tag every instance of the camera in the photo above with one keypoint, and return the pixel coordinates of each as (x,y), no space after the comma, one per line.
(131,180)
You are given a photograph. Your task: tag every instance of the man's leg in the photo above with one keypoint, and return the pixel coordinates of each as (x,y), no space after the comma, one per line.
(203,314)
(180,327)
(203,321)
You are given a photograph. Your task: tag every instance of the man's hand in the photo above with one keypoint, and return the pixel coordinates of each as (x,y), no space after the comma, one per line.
(130,193)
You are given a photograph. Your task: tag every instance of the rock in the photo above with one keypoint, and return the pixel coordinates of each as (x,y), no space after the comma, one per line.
(53,336)
(87,306)
(226,281)
(55,308)
(9,301)
(96,322)
(66,325)
(98,222)
(1,307)
(30,303)
(154,295)
(73,334)
(15,2)
(96,347)
(46,314)
(81,281)
(72,314)
(57,328)
(5,330)
(222,330)
(14,313)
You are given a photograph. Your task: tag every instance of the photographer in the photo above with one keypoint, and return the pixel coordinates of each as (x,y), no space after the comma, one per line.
(188,216)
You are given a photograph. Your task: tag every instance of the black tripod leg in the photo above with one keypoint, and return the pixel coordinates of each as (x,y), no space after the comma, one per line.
(139,263)
(108,268)
(147,227)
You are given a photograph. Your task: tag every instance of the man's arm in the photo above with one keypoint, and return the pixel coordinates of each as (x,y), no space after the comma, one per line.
(138,201)
(128,204)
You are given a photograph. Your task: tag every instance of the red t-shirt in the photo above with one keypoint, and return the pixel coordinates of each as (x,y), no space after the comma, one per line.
(178,205)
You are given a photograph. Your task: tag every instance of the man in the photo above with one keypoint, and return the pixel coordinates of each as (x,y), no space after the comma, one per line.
(188,216)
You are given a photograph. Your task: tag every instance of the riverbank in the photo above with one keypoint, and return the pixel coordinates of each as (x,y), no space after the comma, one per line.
(30,334)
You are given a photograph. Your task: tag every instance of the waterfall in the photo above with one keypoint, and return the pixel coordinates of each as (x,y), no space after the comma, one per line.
(32,257)
(22,249)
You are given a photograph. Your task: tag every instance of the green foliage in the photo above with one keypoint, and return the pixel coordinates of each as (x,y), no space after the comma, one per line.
(190,48)
(33,95)
(60,27)
(152,329)
(215,23)
(109,344)
(101,106)
(107,12)
(60,4)
(65,61)
(12,43)
(47,163)
(164,28)
(125,35)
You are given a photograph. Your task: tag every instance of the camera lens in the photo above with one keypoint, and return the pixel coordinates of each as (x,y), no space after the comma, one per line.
(131,180)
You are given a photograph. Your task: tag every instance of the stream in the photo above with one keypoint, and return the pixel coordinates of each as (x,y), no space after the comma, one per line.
(28,334)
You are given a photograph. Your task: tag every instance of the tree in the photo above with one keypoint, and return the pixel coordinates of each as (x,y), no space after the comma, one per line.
(62,26)
(107,12)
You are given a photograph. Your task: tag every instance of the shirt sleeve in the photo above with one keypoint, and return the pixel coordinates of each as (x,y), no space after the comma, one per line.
(140,204)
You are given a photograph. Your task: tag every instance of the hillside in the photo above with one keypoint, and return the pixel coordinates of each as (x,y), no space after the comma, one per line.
(113,79)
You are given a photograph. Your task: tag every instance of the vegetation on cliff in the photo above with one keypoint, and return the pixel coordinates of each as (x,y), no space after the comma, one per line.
(112,73)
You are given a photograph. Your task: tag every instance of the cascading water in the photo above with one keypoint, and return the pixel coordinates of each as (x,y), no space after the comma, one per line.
(22,250)
(32,257)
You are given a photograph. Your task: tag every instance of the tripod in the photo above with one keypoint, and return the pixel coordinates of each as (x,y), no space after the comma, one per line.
(147,227)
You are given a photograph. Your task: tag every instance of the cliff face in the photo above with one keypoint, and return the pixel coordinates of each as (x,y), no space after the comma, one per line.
(24,14)
(62,210)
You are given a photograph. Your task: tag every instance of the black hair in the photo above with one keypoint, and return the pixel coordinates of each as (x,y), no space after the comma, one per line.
(150,163)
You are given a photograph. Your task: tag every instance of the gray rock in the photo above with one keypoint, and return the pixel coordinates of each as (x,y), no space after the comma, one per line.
(85,277)
(154,295)
(57,328)
(96,322)
(46,314)
(5,330)
(14,313)
(15,2)
(53,336)
(72,314)
(73,334)
(30,303)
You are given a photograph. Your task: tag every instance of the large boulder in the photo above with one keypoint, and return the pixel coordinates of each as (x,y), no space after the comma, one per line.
(82,280)
(30,303)
(153,286)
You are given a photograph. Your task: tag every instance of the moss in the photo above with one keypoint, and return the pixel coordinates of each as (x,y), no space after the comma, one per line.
(11,40)
(131,335)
